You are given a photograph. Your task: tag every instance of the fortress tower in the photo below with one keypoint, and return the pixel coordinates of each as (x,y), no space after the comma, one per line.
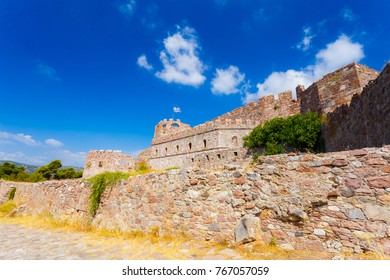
(168,127)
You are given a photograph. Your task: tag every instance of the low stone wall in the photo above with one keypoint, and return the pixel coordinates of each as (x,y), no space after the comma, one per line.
(326,202)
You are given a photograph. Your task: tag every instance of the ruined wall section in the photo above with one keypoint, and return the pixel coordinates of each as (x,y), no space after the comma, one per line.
(365,122)
(335,89)
(102,161)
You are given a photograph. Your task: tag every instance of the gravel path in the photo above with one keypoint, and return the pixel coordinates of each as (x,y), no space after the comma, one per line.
(19,242)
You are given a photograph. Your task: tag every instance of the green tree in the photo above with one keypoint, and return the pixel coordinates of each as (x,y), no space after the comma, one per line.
(297,132)
(49,171)
(11,172)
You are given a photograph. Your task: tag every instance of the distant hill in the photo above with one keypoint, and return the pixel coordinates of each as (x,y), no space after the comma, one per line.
(31,168)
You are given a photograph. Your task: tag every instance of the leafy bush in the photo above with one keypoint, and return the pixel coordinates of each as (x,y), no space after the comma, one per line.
(99,183)
(297,132)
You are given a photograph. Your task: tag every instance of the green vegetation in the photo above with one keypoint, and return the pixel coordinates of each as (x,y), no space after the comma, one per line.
(143,167)
(273,241)
(53,170)
(11,194)
(99,183)
(172,168)
(6,208)
(297,133)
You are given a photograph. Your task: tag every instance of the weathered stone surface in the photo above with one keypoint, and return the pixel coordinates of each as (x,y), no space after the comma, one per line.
(319,232)
(193,194)
(340,162)
(247,229)
(379,182)
(353,183)
(299,213)
(377,213)
(356,214)
(239,181)
(347,192)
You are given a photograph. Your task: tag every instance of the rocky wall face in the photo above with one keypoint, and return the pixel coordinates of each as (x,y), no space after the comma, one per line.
(61,198)
(102,161)
(365,122)
(327,202)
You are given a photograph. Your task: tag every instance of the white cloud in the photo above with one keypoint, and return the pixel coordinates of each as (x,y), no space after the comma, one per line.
(227,81)
(142,61)
(22,158)
(53,142)
(20,137)
(348,15)
(305,44)
(127,7)
(336,54)
(180,59)
(176,110)
(47,71)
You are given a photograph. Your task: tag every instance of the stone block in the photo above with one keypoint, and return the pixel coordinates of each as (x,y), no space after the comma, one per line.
(247,229)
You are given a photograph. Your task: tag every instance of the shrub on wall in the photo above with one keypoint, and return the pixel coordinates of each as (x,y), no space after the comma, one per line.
(99,183)
(11,194)
(297,132)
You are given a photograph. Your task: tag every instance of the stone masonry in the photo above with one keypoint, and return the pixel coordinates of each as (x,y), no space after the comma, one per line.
(336,202)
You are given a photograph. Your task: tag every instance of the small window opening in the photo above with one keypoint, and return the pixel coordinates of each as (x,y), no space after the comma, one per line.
(219,156)
(177,149)
(204,143)
(190,146)
(100,164)
(235,154)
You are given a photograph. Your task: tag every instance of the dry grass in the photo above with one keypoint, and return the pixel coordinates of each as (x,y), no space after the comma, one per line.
(6,208)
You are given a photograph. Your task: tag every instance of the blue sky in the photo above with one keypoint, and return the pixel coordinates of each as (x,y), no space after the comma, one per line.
(82,75)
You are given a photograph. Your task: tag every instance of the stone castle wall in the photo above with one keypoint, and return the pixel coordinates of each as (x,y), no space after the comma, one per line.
(335,89)
(102,161)
(365,122)
(325,202)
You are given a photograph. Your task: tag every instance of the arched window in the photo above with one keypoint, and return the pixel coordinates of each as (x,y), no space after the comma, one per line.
(175,125)
(190,146)
(204,143)
(235,141)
